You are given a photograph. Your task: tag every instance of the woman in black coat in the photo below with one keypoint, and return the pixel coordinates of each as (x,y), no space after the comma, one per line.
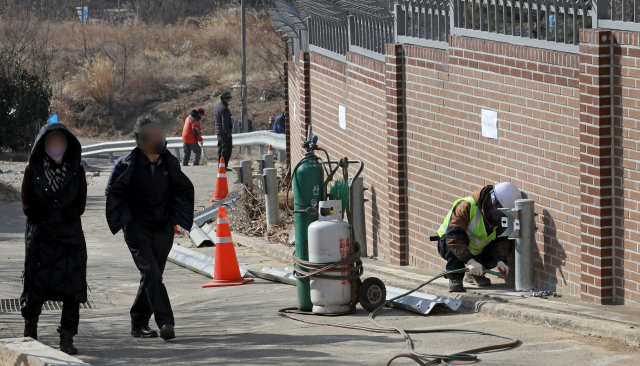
(54,195)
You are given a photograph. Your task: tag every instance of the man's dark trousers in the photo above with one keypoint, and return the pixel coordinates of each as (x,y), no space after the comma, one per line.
(150,250)
(188,148)
(488,257)
(225,147)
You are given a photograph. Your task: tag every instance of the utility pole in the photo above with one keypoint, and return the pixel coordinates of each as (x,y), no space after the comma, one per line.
(244,116)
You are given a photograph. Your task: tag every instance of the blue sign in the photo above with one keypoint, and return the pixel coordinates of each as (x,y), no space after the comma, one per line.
(552,22)
(53,118)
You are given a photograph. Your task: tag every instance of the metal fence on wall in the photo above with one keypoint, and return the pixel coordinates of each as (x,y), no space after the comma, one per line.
(364,26)
(423,22)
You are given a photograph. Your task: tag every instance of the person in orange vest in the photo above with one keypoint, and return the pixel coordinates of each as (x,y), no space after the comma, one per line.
(192,137)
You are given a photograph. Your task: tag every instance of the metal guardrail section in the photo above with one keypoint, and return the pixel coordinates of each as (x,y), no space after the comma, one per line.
(278,141)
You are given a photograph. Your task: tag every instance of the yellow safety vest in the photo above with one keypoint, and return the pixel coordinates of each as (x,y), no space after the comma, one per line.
(478,238)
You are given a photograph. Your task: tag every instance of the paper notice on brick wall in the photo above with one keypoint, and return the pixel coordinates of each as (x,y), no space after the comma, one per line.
(342,115)
(489,121)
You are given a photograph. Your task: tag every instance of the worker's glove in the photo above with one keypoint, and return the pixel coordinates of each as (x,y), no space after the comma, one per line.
(201,143)
(503,268)
(475,268)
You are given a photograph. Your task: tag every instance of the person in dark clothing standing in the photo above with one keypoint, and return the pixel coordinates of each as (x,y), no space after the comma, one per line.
(147,194)
(54,195)
(192,137)
(224,126)
(278,124)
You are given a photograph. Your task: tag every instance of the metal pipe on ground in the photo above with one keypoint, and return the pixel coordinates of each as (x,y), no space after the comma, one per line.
(271,197)
(525,263)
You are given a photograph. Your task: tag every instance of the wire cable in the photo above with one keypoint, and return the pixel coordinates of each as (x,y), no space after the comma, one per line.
(419,357)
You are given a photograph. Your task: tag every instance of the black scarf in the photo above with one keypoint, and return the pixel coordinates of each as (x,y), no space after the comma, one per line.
(55,173)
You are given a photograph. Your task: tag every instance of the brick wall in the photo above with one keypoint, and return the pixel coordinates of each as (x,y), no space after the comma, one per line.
(415,121)
(626,222)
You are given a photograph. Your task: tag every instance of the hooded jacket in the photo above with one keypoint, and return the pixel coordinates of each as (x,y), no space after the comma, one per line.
(456,236)
(222,119)
(56,252)
(191,132)
(182,193)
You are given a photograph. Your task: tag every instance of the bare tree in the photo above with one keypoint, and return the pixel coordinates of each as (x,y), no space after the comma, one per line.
(124,45)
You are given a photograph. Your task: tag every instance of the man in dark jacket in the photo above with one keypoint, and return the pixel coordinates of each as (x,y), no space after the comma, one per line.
(147,195)
(224,126)
(278,124)
(54,194)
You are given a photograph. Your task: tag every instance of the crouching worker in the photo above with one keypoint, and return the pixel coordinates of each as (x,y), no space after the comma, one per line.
(147,194)
(470,235)
(54,195)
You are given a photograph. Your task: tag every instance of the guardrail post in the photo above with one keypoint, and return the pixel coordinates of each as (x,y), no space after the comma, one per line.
(111,158)
(281,156)
(268,161)
(246,173)
(260,149)
(261,166)
(177,150)
(271,197)
(247,150)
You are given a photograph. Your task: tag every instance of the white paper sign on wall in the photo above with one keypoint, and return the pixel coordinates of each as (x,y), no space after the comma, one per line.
(342,112)
(489,121)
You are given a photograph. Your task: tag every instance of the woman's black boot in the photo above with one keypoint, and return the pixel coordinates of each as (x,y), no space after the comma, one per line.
(31,328)
(66,343)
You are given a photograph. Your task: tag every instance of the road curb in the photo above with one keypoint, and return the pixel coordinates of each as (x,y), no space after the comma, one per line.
(27,351)
(493,306)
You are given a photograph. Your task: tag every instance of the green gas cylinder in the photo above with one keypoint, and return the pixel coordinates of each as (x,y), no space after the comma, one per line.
(307,192)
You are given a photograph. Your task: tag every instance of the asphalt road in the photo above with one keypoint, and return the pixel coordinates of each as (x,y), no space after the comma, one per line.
(240,325)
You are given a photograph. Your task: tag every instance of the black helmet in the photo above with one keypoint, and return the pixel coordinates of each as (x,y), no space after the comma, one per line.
(225,96)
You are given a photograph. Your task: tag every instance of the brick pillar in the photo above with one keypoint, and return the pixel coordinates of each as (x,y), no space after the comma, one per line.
(287,130)
(396,155)
(304,112)
(596,166)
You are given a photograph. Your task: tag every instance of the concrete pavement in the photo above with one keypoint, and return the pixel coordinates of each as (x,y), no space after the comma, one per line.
(240,325)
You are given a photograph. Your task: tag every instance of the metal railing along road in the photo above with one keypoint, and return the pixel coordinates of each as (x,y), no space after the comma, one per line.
(278,141)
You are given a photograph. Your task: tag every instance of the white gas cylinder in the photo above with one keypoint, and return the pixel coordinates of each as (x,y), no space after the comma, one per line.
(329,242)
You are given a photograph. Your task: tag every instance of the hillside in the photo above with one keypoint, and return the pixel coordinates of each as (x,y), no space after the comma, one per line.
(105,75)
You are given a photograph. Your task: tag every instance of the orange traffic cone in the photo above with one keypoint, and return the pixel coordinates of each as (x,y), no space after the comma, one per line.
(226,271)
(175,229)
(270,151)
(222,187)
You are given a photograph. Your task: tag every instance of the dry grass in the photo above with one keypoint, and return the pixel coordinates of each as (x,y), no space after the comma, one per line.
(96,79)
(104,75)
(249,216)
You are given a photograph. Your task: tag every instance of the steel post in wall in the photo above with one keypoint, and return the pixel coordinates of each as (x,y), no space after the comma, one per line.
(246,173)
(525,261)
(271,197)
